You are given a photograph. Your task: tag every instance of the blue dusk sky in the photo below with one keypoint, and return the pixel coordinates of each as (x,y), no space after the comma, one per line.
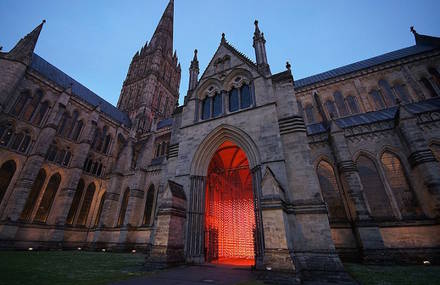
(94,41)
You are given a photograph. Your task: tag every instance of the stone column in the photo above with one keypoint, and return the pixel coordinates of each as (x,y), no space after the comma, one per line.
(196,217)
(30,170)
(367,232)
(425,167)
(168,244)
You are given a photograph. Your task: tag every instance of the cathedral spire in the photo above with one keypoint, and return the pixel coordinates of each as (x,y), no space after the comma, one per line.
(24,49)
(163,36)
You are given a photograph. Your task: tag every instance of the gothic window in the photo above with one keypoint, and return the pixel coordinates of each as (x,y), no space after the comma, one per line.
(68,130)
(86,204)
(330,191)
(96,138)
(20,142)
(106,144)
(353,104)
(18,138)
(31,200)
(429,87)
(63,122)
(77,130)
(75,202)
(32,106)
(387,92)
(217,105)
(67,157)
(124,204)
(245,96)
(149,207)
(400,186)
(6,132)
(40,113)
(331,109)
(374,189)
(58,156)
(48,198)
(206,108)
(233,100)
(6,173)
(377,99)
(98,215)
(309,114)
(20,103)
(339,99)
(402,91)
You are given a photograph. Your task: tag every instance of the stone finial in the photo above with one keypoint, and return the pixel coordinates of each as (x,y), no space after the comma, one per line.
(288,66)
(223,38)
(413,30)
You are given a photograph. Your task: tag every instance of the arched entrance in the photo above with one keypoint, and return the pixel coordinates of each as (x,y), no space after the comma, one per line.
(230,224)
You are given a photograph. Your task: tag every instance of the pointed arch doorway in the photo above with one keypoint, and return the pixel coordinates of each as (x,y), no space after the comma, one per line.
(230,224)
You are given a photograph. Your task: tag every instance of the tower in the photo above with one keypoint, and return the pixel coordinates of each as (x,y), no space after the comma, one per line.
(151,89)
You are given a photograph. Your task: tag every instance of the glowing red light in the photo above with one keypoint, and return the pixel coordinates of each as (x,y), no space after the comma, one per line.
(229,218)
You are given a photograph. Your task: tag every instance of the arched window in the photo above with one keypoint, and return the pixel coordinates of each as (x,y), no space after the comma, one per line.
(98,215)
(68,130)
(48,198)
(6,132)
(32,106)
(374,189)
(63,123)
(75,202)
(398,182)
(6,173)
(40,113)
(233,100)
(20,103)
(206,108)
(86,204)
(124,204)
(435,75)
(25,143)
(106,144)
(16,142)
(377,99)
(309,114)
(77,130)
(353,104)
(330,191)
(96,138)
(31,200)
(331,109)
(340,103)
(149,207)
(217,104)
(245,96)
(387,92)
(402,91)
(429,87)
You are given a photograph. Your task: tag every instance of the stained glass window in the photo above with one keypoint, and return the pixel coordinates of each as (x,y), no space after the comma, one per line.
(86,204)
(75,202)
(331,109)
(48,198)
(245,96)
(380,206)
(387,92)
(398,182)
(33,196)
(330,191)
(217,105)
(340,103)
(377,99)
(6,173)
(233,100)
(403,93)
(206,108)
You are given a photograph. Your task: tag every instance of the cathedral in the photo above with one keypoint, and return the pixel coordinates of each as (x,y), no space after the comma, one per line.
(255,168)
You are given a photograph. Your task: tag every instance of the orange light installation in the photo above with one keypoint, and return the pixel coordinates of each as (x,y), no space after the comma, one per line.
(229,212)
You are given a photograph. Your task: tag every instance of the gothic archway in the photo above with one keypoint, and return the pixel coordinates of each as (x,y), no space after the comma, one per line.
(230,226)
(196,249)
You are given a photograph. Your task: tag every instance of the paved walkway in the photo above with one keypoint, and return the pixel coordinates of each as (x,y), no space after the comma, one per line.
(192,275)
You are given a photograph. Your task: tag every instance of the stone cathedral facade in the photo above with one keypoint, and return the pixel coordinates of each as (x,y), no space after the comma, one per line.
(254,168)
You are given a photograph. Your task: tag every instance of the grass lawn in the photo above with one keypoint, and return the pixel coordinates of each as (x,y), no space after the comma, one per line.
(68,267)
(394,274)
